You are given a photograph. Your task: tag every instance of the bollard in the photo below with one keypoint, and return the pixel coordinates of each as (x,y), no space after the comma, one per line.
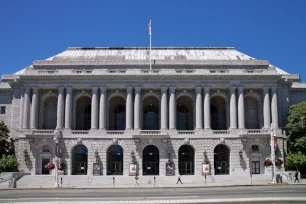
(154,180)
(61,181)
(205,179)
(113,181)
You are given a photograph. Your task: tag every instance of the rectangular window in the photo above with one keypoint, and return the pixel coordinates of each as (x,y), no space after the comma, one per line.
(2,110)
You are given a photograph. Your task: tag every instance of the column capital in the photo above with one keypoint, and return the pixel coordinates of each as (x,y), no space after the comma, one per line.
(102,89)
(198,89)
(206,89)
(274,89)
(240,89)
(60,89)
(266,88)
(69,88)
(35,88)
(94,88)
(129,89)
(27,88)
(137,89)
(172,89)
(163,89)
(232,89)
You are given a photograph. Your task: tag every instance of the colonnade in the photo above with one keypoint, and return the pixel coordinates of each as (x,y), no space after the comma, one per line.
(29,108)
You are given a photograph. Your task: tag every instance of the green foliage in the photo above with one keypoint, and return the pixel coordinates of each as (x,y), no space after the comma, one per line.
(8,163)
(5,142)
(296,160)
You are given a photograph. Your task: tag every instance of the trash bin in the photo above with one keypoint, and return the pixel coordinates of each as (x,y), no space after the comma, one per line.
(12,183)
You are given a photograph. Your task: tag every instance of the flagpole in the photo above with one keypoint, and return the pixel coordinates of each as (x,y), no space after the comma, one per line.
(150,42)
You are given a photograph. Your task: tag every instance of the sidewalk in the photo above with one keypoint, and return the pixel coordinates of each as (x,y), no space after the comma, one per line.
(303,182)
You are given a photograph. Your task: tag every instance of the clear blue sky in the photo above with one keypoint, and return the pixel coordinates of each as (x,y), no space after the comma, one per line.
(274,30)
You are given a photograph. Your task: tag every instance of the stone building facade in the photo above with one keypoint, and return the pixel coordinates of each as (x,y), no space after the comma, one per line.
(110,111)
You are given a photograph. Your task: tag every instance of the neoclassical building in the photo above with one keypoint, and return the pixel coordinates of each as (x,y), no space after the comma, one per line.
(109,110)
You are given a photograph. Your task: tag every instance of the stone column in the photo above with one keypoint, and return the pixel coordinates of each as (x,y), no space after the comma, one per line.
(172,109)
(68,108)
(199,112)
(266,108)
(94,108)
(233,108)
(102,112)
(241,120)
(60,108)
(26,108)
(129,108)
(34,109)
(21,108)
(164,109)
(207,108)
(274,109)
(137,108)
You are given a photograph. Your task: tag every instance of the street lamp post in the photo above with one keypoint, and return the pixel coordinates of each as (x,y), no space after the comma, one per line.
(273,135)
(56,141)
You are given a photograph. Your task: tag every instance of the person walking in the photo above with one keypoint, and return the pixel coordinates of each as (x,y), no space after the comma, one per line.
(297,176)
(179,179)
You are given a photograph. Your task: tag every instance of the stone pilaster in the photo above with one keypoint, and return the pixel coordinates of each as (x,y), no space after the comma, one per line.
(94,108)
(60,108)
(172,109)
(207,108)
(164,108)
(26,108)
(274,108)
(199,112)
(266,108)
(233,108)
(129,108)
(241,119)
(68,108)
(102,111)
(137,108)
(34,109)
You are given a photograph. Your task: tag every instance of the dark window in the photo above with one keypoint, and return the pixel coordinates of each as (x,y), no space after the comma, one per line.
(255,167)
(255,148)
(3,109)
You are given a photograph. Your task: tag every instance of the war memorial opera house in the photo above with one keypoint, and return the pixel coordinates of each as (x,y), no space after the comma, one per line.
(104,110)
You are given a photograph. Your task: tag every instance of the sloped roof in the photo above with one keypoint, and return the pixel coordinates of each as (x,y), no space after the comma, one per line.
(143,53)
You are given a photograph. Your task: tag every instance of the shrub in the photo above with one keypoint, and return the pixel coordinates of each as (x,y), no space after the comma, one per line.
(8,163)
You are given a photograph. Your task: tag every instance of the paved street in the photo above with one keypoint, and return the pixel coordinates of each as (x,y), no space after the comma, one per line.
(158,195)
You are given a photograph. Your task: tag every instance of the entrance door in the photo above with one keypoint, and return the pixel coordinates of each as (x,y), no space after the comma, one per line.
(115,160)
(44,163)
(221,168)
(255,165)
(150,163)
(79,160)
(221,160)
(186,160)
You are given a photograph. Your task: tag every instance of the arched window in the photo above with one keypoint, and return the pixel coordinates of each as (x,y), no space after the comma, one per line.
(49,113)
(184,113)
(186,160)
(221,160)
(150,160)
(117,113)
(251,112)
(115,160)
(151,113)
(218,113)
(79,160)
(83,116)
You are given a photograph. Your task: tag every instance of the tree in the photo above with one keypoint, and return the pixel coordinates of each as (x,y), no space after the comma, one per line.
(296,128)
(5,141)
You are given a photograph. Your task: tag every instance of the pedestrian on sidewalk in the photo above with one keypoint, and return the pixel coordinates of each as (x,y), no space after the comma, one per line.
(297,176)
(179,179)
(136,180)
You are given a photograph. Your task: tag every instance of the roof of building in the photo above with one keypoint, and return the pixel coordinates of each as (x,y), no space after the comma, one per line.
(122,55)
(143,53)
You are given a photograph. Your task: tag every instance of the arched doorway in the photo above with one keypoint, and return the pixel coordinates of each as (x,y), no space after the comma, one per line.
(115,160)
(150,160)
(79,160)
(221,160)
(184,113)
(83,115)
(218,113)
(251,111)
(117,113)
(151,113)
(186,160)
